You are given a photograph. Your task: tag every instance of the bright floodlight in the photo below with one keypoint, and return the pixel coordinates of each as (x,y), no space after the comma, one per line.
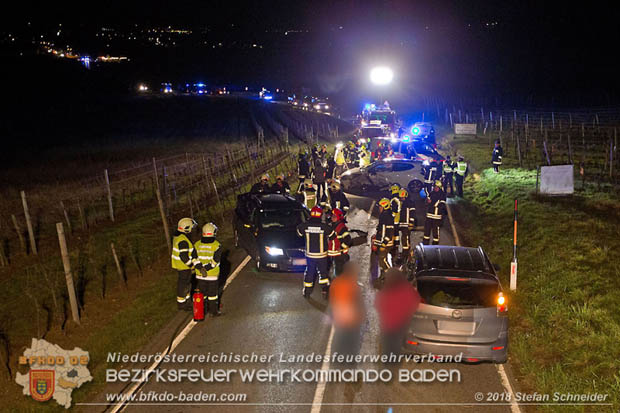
(381,75)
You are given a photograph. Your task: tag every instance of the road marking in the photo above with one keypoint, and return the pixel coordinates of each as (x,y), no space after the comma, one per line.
(514,406)
(177,340)
(317,401)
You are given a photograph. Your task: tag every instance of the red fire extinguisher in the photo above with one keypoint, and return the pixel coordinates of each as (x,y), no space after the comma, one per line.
(199,307)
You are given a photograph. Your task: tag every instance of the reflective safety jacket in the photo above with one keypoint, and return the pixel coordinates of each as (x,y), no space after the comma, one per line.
(436,208)
(303,167)
(461,168)
(183,253)
(337,199)
(341,242)
(407,213)
(364,158)
(395,207)
(449,168)
(385,230)
(209,253)
(496,157)
(309,197)
(340,157)
(317,235)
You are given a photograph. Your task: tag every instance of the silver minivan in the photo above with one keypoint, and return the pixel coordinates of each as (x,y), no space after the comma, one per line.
(463,309)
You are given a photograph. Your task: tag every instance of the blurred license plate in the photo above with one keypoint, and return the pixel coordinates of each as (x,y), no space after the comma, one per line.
(456,327)
(299,261)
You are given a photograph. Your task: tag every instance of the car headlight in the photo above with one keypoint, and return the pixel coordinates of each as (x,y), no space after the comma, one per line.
(426,163)
(273,251)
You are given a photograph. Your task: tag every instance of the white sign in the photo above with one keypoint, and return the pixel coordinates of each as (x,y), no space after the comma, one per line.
(465,128)
(557,180)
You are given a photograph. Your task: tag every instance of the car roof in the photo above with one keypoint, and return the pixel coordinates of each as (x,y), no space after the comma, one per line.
(275,201)
(448,257)
(399,160)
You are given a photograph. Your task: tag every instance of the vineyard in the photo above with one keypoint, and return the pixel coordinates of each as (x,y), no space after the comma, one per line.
(587,139)
(117,223)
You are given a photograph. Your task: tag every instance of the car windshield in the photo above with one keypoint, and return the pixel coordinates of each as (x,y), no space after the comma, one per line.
(285,219)
(383,117)
(458,292)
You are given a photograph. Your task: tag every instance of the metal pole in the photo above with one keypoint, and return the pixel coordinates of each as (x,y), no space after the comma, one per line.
(164,220)
(513,264)
(107,185)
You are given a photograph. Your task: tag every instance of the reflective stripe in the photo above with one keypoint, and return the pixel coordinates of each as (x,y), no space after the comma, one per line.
(212,297)
(316,254)
(324,281)
(308,284)
(433,216)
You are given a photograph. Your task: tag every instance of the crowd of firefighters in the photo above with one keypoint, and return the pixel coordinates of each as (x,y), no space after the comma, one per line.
(327,237)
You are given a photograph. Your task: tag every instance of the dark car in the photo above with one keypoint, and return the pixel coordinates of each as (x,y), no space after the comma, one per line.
(406,148)
(463,309)
(265,226)
(374,181)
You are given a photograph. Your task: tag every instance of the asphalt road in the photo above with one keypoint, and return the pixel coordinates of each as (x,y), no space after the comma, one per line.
(265,314)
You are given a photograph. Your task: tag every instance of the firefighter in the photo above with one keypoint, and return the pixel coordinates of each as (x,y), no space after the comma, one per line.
(320,176)
(331,166)
(449,169)
(496,156)
(303,168)
(430,176)
(364,157)
(459,175)
(341,162)
(309,194)
(383,241)
(337,198)
(281,186)
(435,211)
(351,155)
(339,246)
(209,255)
(262,186)
(406,221)
(184,259)
(317,235)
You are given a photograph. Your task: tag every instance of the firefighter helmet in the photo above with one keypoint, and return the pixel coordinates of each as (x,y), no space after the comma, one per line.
(209,230)
(280,177)
(335,186)
(316,212)
(438,184)
(384,203)
(186,225)
(395,188)
(338,214)
(265,177)
(403,193)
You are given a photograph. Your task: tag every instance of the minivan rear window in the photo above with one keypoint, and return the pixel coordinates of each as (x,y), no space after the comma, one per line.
(457,292)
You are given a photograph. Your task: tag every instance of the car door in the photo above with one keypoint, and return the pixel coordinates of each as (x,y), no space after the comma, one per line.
(402,173)
(244,225)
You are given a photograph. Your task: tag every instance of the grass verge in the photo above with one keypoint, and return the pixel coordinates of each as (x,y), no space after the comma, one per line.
(565,327)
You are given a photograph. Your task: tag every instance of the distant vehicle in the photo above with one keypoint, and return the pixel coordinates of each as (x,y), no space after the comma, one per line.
(374,180)
(424,131)
(322,106)
(142,88)
(370,132)
(463,308)
(265,226)
(196,89)
(166,88)
(221,91)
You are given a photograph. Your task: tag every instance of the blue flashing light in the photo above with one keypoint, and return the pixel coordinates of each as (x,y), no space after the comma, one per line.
(415,130)
(367,106)
(200,84)
(406,138)
(268,97)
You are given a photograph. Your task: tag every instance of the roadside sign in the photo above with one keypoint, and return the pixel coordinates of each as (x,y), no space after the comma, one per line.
(465,128)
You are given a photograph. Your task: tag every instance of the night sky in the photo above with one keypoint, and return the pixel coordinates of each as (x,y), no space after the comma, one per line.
(529,49)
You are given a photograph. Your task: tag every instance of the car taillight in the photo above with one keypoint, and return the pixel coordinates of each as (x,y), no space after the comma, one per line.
(413,343)
(502,307)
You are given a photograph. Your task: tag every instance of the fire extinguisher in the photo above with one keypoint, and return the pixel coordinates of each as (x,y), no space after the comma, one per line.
(199,306)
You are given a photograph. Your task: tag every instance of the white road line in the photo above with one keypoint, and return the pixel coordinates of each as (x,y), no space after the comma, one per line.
(177,340)
(317,401)
(514,406)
